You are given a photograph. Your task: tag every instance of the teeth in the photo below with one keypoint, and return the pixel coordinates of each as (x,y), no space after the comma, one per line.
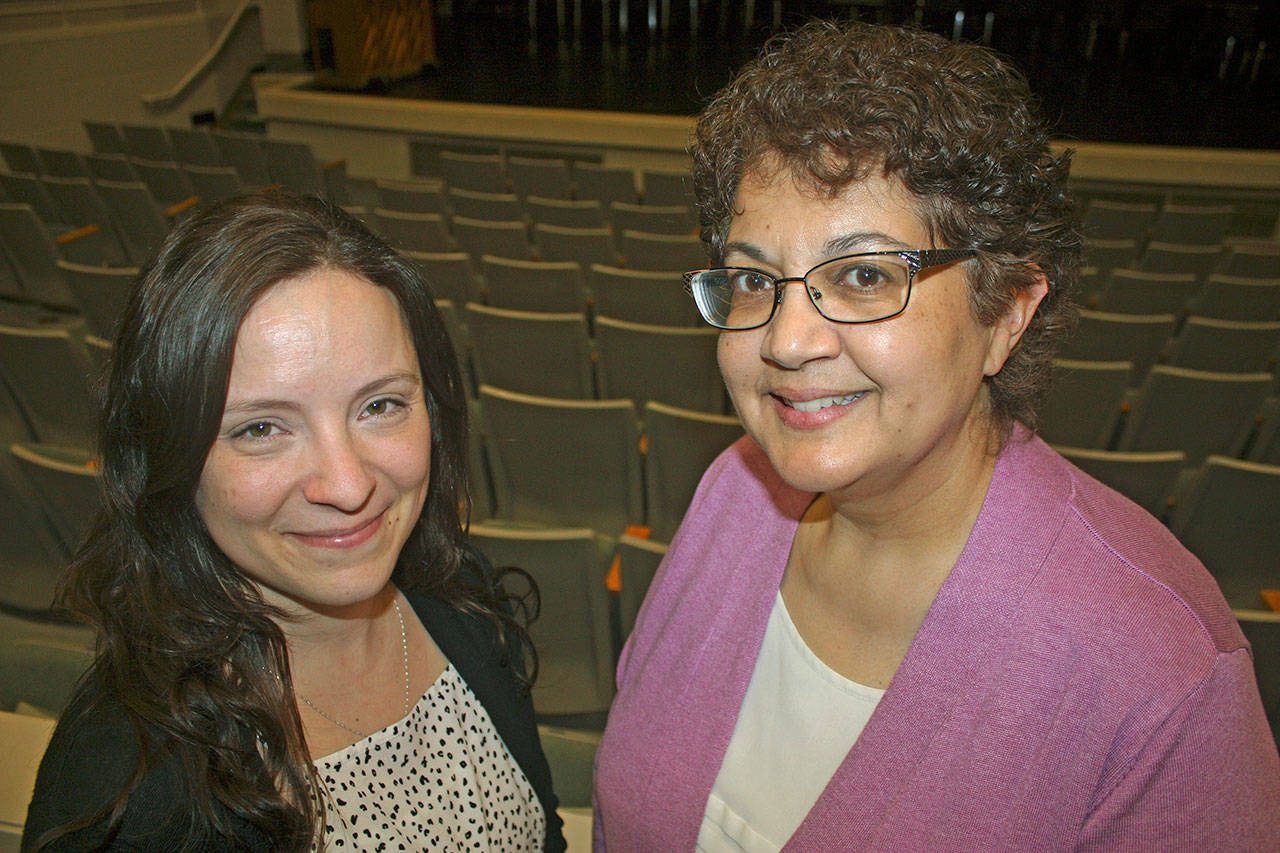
(823,402)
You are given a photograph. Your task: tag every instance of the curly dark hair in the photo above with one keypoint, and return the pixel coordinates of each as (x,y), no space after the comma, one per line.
(953,122)
(186,643)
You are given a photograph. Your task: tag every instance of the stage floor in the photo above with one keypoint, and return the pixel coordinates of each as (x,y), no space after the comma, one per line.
(1153,93)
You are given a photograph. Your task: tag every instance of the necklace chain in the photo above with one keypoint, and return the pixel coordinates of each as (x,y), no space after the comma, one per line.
(404,652)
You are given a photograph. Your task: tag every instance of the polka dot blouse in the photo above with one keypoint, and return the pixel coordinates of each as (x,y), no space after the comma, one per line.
(440,779)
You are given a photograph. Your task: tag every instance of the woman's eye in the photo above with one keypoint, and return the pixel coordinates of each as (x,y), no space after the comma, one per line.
(747,281)
(381,407)
(256,430)
(863,276)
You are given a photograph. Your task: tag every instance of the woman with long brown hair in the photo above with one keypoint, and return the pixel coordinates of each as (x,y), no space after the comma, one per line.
(297,648)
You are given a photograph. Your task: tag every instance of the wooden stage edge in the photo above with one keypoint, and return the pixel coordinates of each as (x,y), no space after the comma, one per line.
(378,135)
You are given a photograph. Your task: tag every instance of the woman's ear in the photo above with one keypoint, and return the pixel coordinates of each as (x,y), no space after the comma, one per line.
(1008,330)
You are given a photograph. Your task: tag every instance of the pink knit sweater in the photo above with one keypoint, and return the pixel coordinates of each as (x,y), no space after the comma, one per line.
(1078,684)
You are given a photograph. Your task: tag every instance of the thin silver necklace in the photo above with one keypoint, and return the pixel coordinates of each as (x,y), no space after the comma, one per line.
(404,651)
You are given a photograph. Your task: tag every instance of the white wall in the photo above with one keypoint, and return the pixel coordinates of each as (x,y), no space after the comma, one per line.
(61,62)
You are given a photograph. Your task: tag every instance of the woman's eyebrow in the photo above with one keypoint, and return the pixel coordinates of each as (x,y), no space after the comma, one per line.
(243,407)
(862,241)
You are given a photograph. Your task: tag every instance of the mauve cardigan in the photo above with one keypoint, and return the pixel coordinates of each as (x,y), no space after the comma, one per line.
(1078,683)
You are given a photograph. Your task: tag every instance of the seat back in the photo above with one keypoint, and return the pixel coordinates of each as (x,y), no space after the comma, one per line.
(1262,630)
(213,183)
(1179,258)
(1196,225)
(492,207)
(531,352)
(32,554)
(61,163)
(638,560)
(1140,292)
(411,196)
(1118,220)
(32,256)
(643,251)
(551,286)
(194,147)
(586,246)
(586,213)
(1226,345)
(668,188)
(413,232)
(675,365)
(558,461)
(652,219)
(1084,402)
(242,151)
(148,141)
(504,238)
(575,652)
(67,486)
(111,167)
(545,177)
(105,137)
(1106,255)
(476,172)
(167,181)
(141,222)
(1104,336)
(679,445)
(1146,478)
(1251,261)
(1230,519)
(604,183)
(101,293)
(450,275)
(641,296)
(1233,298)
(1197,412)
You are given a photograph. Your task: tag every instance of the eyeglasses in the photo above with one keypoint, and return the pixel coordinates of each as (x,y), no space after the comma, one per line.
(861,288)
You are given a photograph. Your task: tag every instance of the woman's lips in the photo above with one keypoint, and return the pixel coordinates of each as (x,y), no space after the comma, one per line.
(809,409)
(348,537)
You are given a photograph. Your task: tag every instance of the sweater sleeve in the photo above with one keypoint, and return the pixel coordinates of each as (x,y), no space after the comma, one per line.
(1208,778)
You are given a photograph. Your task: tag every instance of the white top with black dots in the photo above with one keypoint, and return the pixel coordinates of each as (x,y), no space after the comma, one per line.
(440,779)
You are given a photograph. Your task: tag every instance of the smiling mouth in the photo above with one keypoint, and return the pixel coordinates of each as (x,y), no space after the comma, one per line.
(346,538)
(821,402)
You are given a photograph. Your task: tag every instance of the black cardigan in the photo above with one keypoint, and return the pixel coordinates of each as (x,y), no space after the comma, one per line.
(94,750)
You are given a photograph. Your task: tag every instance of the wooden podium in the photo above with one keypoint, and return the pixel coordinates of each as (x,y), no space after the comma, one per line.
(355,41)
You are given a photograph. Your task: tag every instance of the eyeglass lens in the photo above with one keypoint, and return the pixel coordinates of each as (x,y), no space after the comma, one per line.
(860,288)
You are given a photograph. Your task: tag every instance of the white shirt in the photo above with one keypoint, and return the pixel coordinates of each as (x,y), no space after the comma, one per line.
(798,721)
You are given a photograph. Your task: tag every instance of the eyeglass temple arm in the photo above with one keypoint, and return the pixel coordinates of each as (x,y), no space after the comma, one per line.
(923,259)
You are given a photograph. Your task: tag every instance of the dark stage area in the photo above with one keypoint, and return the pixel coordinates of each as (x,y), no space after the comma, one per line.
(1187,74)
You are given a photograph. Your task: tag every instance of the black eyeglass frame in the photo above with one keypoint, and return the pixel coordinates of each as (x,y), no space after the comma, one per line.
(917,260)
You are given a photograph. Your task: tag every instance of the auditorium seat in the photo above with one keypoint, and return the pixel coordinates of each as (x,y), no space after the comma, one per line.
(1104,336)
(1148,478)
(1197,412)
(1226,345)
(544,177)
(571,634)
(531,352)
(641,251)
(584,213)
(450,275)
(604,183)
(551,286)
(492,207)
(679,445)
(100,293)
(1084,402)
(1230,519)
(504,238)
(411,196)
(583,245)
(675,365)
(637,559)
(666,188)
(413,232)
(652,219)
(475,172)
(49,373)
(32,256)
(66,484)
(563,462)
(1142,292)
(1226,297)
(642,296)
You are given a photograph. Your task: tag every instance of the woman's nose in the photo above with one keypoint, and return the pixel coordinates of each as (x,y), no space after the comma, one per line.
(798,333)
(341,477)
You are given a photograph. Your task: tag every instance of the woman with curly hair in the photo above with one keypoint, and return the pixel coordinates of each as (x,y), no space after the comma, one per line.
(297,648)
(893,617)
